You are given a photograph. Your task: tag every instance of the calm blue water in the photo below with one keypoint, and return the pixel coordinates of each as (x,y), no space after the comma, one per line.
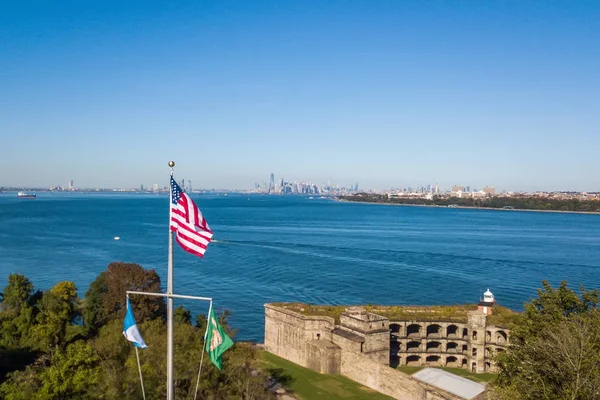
(296,249)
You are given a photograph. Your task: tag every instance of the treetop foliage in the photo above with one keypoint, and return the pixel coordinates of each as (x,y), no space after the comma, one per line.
(554,350)
(54,345)
(105,298)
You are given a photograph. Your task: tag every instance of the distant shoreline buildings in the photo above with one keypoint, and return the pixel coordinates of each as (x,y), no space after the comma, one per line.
(280,186)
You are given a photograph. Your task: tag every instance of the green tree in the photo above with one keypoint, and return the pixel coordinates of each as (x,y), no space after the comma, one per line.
(17,292)
(105,299)
(70,374)
(244,376)
(16,327)
(17,317)
(113,350)
(25,384)
(94,315)
(44,358)
(554,350)
(57,311)
(181,315)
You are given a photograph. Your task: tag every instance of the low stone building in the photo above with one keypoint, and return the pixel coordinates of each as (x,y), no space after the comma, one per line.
(365,346)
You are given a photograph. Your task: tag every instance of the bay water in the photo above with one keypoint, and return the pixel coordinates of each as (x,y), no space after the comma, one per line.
(293,248)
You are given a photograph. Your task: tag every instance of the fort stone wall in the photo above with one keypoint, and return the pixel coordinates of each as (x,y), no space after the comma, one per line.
(287,332)
(323,356)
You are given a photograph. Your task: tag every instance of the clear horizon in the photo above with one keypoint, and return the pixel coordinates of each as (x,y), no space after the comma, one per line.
(386,94)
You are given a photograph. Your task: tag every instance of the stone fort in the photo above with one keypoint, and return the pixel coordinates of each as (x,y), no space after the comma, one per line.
(366,346)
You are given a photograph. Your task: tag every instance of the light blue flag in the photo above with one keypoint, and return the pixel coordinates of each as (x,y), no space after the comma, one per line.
(130,329)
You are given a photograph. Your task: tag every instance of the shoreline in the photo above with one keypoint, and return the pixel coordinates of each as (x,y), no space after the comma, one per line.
(468,207)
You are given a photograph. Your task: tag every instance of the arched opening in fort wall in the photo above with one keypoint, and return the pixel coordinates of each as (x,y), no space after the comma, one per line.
(413,361)
(413,331)
(452,332)
(434,331)
(434,347)
(452,362)
(413,347)
(452,347)
(433,361)
(501,337)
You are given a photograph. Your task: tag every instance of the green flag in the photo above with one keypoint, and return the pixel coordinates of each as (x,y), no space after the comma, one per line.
(217,342)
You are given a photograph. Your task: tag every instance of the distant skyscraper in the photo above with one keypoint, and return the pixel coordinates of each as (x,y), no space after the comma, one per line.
(190,185)
(141,188)
(272,183)
(71,184)
(155,187)
(183,184)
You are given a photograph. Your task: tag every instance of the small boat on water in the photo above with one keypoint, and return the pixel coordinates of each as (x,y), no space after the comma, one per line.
(23,195)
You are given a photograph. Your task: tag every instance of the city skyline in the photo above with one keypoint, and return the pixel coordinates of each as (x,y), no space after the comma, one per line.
(383,93)
(274,186)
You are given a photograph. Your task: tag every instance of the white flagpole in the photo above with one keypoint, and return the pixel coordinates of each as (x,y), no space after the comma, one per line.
(170,394)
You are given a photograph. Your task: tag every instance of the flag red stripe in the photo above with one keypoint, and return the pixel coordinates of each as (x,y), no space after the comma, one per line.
(188,249)
(192,240)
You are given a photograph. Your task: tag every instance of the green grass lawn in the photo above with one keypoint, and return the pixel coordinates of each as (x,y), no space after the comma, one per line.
(481,378)
(310,385)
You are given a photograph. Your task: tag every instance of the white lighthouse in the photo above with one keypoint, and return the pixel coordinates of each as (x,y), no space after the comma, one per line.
(487,303)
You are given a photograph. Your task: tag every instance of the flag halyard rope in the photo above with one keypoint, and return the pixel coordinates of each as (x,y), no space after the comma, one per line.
(137,355)
(202,356)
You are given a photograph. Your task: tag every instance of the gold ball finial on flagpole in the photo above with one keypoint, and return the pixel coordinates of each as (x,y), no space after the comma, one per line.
(171,164)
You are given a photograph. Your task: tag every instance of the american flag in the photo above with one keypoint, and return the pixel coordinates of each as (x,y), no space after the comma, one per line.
(192,231)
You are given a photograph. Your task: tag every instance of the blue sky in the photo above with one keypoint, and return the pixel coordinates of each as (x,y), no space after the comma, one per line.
(384,93)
